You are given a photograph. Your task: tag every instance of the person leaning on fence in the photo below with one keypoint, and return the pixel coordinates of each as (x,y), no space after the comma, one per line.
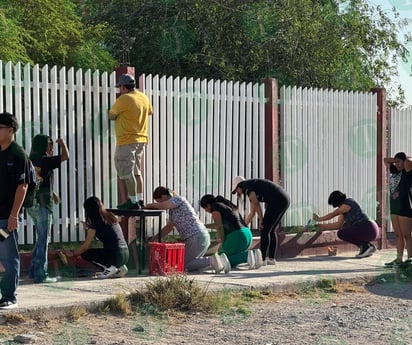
(404,164)
(354,225)
(101,223)
(14,180)
(41,212)
(277,202)
(233,234)
(193,232)
(131,115)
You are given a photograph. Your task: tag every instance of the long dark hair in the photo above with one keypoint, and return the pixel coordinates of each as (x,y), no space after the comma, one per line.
(211,199)
(95,212)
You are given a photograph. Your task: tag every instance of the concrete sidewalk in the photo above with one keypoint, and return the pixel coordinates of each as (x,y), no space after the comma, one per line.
(285,275)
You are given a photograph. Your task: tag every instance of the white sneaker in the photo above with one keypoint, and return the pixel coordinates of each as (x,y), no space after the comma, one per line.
(270,261)
(258,258)
(108,272)
(251,259)
(216,263)
(122,271)
(225,262)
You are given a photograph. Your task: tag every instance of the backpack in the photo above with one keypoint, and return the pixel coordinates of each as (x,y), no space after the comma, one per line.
(33,182)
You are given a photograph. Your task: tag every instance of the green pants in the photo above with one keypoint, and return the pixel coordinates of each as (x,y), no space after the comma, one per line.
(236,245)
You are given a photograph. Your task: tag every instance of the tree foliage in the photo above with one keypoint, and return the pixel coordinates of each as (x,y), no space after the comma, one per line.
(52,32)
(311,43)
(335,44)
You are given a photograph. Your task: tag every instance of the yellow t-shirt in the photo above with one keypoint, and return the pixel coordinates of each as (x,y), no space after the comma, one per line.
(131,125)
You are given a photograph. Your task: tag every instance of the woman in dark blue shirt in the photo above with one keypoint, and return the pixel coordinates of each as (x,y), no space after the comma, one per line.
(354,225)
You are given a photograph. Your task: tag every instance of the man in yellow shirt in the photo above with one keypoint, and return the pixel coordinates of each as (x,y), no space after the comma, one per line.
(131,115)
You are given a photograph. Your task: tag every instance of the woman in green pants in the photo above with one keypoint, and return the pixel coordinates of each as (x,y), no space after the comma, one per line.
(233,234)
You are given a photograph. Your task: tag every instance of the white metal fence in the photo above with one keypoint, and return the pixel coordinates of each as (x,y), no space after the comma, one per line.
(202,133)
(328,142)
(71,105)
(400,138)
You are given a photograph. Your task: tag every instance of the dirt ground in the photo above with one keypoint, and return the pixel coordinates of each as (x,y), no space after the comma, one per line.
(379,315)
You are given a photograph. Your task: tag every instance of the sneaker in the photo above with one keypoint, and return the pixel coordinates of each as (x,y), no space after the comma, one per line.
(368,251)
(108,272)
(6,304)
(271,261)
(216,263)
(128,205)
(392,263)
(122,271)
(62,257)
(258,258)
(251,259)
(47,280)
(225,262)
(141,204)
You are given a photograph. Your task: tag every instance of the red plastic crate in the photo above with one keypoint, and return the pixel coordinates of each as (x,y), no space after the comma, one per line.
(166,258)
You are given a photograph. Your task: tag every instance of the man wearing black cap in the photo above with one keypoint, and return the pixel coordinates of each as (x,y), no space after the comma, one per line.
(14,177)
(131,115)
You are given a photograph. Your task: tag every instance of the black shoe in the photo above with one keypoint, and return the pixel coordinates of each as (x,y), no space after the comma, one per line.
(6,304)
(368,250)
(393,263)
(128,205)
(141,204)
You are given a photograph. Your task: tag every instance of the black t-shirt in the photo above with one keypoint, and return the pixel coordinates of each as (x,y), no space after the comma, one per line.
(14,170)
(405,192)
(110,235)
(265,190)
(44,169)
(231,219)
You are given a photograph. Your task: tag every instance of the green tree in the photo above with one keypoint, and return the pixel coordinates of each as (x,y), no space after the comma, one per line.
(311,43)
(51,32)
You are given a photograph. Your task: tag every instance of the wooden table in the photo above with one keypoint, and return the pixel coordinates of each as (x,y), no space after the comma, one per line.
(142,214)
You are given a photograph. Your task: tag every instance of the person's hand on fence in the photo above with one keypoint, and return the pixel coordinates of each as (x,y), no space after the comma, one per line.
(85,225)
(315,217)
(56,198)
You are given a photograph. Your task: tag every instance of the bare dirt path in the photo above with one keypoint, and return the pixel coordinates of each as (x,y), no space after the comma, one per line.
(380,314)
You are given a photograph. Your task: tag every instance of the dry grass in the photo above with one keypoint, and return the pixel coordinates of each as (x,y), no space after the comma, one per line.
(77,312)
(119,305)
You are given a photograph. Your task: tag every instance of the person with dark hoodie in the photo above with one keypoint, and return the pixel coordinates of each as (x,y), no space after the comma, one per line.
(41,212)
(14,181)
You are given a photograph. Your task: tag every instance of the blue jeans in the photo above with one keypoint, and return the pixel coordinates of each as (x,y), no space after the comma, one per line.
(42,219)
(10,259)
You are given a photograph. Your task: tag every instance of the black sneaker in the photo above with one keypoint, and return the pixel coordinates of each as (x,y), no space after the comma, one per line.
(393,263)
(141,204)
(368,251)
(362,249)
(128,205)
(6,304)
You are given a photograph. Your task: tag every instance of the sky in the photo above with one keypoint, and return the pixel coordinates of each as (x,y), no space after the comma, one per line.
(404,7)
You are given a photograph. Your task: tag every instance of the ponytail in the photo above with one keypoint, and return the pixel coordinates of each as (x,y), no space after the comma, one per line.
(225,201)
